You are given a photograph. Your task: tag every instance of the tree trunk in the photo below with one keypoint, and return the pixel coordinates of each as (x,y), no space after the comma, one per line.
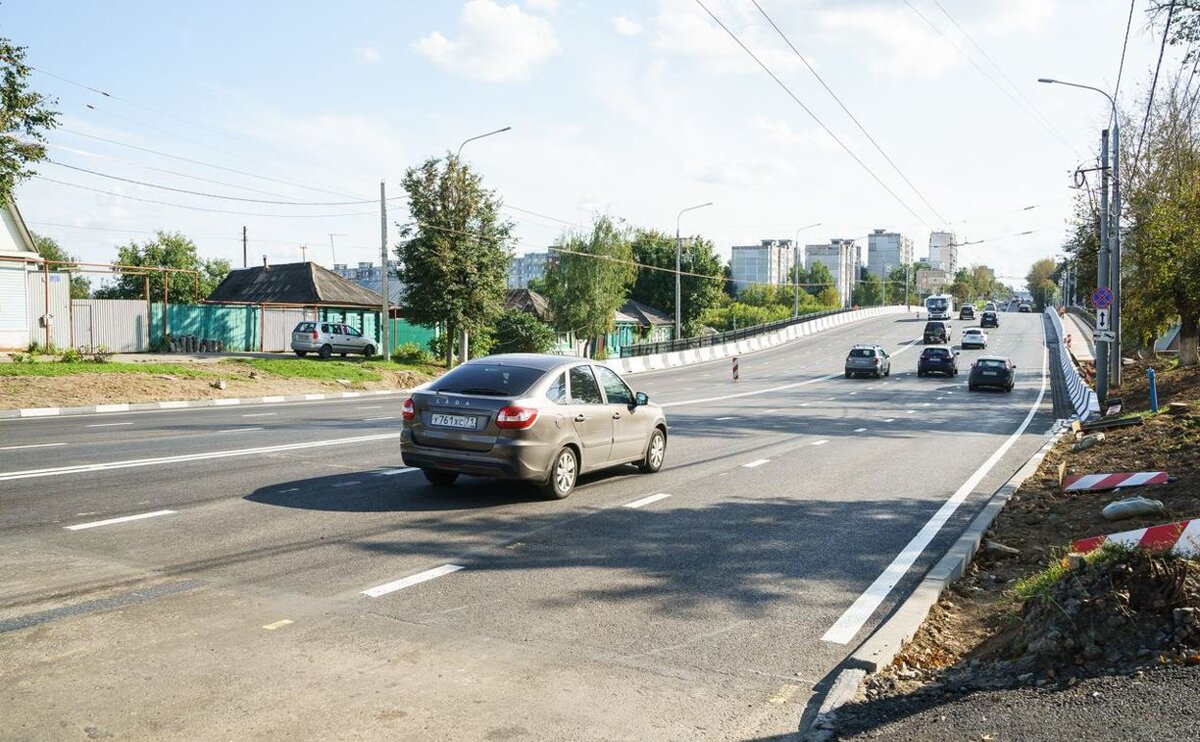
(1189,353)
(449,345)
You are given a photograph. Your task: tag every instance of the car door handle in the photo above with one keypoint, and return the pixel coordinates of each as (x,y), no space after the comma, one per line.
(616,416)
(580,418)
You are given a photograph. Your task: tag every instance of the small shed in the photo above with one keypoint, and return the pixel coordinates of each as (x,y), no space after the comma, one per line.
(18,260)
(639,323)
(530,302)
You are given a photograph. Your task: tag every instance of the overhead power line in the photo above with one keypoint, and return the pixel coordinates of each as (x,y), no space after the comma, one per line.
(1137,155)
(853,118)
(1124,46)
(209,195)
(813,116)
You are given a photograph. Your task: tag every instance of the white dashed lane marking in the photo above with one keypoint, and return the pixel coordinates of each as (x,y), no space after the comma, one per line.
(860,430)
(114,521)
(753,464)
(31,445)
(107,425)
(647,500)
(818,443)
(417,579)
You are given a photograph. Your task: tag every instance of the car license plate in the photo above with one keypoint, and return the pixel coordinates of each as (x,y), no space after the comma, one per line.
(453,421)
(989,373)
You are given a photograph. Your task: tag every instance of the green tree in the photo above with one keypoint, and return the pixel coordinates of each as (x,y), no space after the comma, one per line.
(1082,247)
(591,280)
(456,250)
(49,249)
(166,250)
(868,292)
(819,279)
(657,287)
(521,332)
(1040,284)
(829,298)
(26,117)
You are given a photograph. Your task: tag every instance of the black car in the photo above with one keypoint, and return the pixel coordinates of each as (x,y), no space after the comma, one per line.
(989,319)
(937,331)
(868,359)
(993,371)
(937,360)
(966,312)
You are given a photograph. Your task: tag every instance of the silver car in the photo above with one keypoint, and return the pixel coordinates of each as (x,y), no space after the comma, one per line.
(327,338)
(536,418)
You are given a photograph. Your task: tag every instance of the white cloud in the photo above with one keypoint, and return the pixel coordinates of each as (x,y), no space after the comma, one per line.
(368,53)
(627,26)
(901,43)
(497,43)
(546,6)
(683,28)
(747,173)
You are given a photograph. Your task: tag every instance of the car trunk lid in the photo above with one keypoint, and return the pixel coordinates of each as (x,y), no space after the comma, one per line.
(465,422)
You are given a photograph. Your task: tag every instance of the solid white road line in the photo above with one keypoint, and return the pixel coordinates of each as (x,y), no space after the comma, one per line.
(278,624)
(393,472)
(768,412)
(31,445)
(857,614)
(107,425)
(373,419)
(909,412)
(417,579)
(124,519)
(370,407)
(351,483)
(238,430)
(260,414)
(860,430)
(889,420)
(753,464)
(646,500)
(132,463)
(819,443)
(730,417)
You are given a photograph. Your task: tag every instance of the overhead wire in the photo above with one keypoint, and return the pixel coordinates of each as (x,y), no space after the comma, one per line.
(847,111)
(814,117)
(1137,155)
(1124,46)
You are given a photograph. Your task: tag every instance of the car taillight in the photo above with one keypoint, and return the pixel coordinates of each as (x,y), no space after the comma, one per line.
(315,335)
(408,412)
(876,361)
(516,418)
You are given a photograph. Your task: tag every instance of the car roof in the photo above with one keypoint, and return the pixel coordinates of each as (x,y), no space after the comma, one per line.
(543,361)
(974,329)
(993,358)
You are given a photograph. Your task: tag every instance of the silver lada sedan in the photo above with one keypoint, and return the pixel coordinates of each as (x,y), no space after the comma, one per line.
(537,418)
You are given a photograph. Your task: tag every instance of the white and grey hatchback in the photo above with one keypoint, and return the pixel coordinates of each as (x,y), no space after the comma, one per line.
(327,338)
(537,418)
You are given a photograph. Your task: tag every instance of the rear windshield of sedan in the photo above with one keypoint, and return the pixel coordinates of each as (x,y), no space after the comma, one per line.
(488,379)
(990,363)
(973,332)
(862,353)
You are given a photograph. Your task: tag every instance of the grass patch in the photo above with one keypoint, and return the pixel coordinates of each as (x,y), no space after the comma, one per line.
(60,368)
(1038,585)
(296,368)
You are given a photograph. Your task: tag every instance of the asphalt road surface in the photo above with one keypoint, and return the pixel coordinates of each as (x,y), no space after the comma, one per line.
(276,572)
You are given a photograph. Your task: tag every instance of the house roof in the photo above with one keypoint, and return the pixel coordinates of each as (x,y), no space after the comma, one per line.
(16,240)
(642,315)
(529,301)
(395,287)
(292,283)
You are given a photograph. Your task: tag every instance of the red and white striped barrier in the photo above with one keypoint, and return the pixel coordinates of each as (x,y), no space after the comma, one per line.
(1086,482)
(735,368)
(1182,537)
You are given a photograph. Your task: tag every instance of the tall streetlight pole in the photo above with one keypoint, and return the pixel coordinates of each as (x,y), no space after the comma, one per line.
(463,338)
(1114,240)
(332,251)
(796,268)
(678,251)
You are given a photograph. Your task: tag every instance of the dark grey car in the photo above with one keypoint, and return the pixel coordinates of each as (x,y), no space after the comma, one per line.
(536,418)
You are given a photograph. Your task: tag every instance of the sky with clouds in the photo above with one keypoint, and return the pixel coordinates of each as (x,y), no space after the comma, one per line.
(638,108)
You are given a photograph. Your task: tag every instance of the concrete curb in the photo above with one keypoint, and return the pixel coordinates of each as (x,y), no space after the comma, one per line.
(29,412)
(885,642)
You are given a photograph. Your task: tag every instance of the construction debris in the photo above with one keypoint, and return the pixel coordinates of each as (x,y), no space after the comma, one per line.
(1182,537)
(1087,442)
(1097,482)
(1132,507)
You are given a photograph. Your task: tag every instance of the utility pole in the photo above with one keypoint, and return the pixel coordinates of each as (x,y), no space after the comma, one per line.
(385,319)
(1102,266)
(332,251)
(678,251)
(1114,272)
(304,253)
(245,258)
(796,276)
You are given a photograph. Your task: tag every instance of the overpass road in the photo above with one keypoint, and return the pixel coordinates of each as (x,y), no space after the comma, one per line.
(275,571)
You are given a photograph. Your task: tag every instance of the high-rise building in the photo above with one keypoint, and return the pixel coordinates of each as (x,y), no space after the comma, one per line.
(770,261)
(887,251)
(943,252)
(842,258)
(526,268)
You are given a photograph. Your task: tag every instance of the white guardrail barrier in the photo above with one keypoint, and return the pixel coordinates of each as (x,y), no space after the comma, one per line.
(638,364)
(1083,397)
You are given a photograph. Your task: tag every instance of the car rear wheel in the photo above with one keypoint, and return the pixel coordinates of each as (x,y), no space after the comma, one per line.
(656,453)
(343,355)
(563,473)
(439,478)
(325,351)
(368,351)
(302,353)
(848,374)
(920,373)
(971,387)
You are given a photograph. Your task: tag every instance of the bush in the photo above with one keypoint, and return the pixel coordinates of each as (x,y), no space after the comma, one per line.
(411,353)
(521,332)
(99,354)
(70,355)
(23,358)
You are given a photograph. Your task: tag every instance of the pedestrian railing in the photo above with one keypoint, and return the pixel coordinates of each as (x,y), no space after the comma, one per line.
(720,338)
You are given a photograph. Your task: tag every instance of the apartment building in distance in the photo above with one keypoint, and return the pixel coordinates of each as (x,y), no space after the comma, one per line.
(770,261)
(943,252)
(887,251)
(842,257)
(528,267)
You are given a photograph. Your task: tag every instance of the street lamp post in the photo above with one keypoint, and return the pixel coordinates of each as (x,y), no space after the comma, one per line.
(678,251)
(463,338)
(1114,237)
(796,268)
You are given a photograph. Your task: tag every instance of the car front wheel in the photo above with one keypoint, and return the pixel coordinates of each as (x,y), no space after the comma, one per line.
(656,453)
(563,473)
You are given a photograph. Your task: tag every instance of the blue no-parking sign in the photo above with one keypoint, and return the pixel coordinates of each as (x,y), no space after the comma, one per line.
(1102,297)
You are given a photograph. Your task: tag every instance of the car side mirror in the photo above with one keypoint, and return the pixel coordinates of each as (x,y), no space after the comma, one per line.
(957,353)
(640,399)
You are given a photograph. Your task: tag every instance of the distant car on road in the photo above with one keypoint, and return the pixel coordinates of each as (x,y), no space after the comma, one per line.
(1024,307)
(993,371)
(990,306)
(868,359)
(989,319)
(937,359)
(327,338)
(973,337)
(966,312)
(937,331)
(535,418)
